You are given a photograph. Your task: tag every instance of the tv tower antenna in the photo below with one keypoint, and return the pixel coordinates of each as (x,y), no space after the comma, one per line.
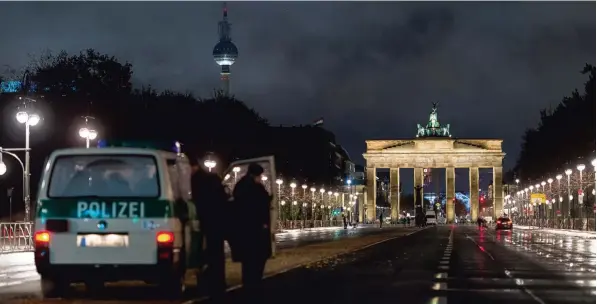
(225,52)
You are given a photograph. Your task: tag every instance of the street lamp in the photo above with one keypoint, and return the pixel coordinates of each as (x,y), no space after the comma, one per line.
(2,166)
(568,172)
(235,170)
(30,120)
(87,133)
(292,186)
(210,164)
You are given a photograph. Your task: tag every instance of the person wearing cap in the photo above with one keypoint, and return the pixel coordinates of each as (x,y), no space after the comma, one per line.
(209,196)
(252,201)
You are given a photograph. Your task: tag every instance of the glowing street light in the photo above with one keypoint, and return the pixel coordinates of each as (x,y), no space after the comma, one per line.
(210,164)
(235,170)
(2,167)
(87,133)
(30,120)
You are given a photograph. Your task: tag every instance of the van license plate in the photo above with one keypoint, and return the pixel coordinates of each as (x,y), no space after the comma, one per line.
(102,240)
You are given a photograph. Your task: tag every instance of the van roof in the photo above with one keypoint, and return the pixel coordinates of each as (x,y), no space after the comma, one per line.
(113,150)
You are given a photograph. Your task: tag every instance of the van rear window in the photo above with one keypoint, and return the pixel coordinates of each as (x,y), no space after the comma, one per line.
(104,176)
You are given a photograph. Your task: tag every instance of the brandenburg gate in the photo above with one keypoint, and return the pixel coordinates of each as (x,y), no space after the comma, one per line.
(434,147)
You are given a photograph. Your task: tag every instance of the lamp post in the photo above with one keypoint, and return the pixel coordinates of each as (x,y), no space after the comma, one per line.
(292,186)
(568,173)
(30,120)
(3,170)
(87,133)
(580,168)
(560,199)
(235,170)
(210,164)
(313,205)
(279,182)
(322,191)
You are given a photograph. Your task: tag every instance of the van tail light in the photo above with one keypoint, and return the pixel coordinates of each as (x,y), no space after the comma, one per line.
(42,238)
(165,241)
(165,238)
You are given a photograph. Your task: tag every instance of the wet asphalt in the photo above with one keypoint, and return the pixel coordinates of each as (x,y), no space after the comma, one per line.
(445,264)
(448,264)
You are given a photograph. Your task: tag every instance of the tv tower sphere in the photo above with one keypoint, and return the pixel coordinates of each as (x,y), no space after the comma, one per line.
(225,53)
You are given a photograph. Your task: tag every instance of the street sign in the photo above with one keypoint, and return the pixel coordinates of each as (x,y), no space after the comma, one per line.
(538,198)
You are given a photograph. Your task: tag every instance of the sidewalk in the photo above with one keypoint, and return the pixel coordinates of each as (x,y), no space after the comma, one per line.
(314,255)
(576,233)
(360,226)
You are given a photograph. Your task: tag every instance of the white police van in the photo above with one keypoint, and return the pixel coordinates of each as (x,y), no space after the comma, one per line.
(113,214)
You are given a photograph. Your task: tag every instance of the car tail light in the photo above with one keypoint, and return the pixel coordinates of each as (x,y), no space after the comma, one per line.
(499,222)
(42,238)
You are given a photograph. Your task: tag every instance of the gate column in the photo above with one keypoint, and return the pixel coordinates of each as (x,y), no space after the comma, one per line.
(450,194)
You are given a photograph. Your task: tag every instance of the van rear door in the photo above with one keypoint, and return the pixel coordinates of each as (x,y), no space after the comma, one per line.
(108,207)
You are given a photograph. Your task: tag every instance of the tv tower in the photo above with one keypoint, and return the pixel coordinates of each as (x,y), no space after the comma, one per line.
(225,52)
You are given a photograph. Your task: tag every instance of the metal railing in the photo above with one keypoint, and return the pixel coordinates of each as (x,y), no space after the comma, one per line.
(16,237)
(581,224)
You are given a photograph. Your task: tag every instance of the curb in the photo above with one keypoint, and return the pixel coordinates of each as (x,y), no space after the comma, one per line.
(283,270)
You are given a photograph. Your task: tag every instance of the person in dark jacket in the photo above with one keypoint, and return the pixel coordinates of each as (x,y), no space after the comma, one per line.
(209,197)
(252,202)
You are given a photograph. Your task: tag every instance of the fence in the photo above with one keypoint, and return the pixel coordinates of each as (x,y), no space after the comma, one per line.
(565,223)
(16,237)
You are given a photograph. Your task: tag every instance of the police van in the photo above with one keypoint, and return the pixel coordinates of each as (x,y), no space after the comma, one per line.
(112,214)
(123,212)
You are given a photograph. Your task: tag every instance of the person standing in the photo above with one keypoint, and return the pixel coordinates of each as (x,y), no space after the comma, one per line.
(252,200)
(210,197)
(380,220)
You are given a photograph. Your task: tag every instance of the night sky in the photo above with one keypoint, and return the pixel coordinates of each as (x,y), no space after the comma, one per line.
(371,70)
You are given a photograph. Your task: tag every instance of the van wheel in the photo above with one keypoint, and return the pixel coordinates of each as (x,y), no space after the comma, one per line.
(172,287)
(52,287)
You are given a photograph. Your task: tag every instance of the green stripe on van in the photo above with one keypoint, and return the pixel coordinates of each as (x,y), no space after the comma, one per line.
(104,208)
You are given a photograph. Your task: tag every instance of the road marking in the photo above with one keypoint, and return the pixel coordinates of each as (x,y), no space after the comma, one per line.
(444,265)
(441,275)
(440,286)
(438,300)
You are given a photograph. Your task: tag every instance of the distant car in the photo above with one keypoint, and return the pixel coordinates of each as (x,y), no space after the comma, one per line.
(430,218)
(503,223)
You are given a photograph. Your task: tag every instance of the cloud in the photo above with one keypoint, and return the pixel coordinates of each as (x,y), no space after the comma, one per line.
(371,69)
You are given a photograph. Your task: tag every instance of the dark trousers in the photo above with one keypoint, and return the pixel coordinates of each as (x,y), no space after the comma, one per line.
(380,223)
(216,266)
(252,277)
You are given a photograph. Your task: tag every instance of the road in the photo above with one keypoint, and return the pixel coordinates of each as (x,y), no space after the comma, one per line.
(449,264)
(19,280)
